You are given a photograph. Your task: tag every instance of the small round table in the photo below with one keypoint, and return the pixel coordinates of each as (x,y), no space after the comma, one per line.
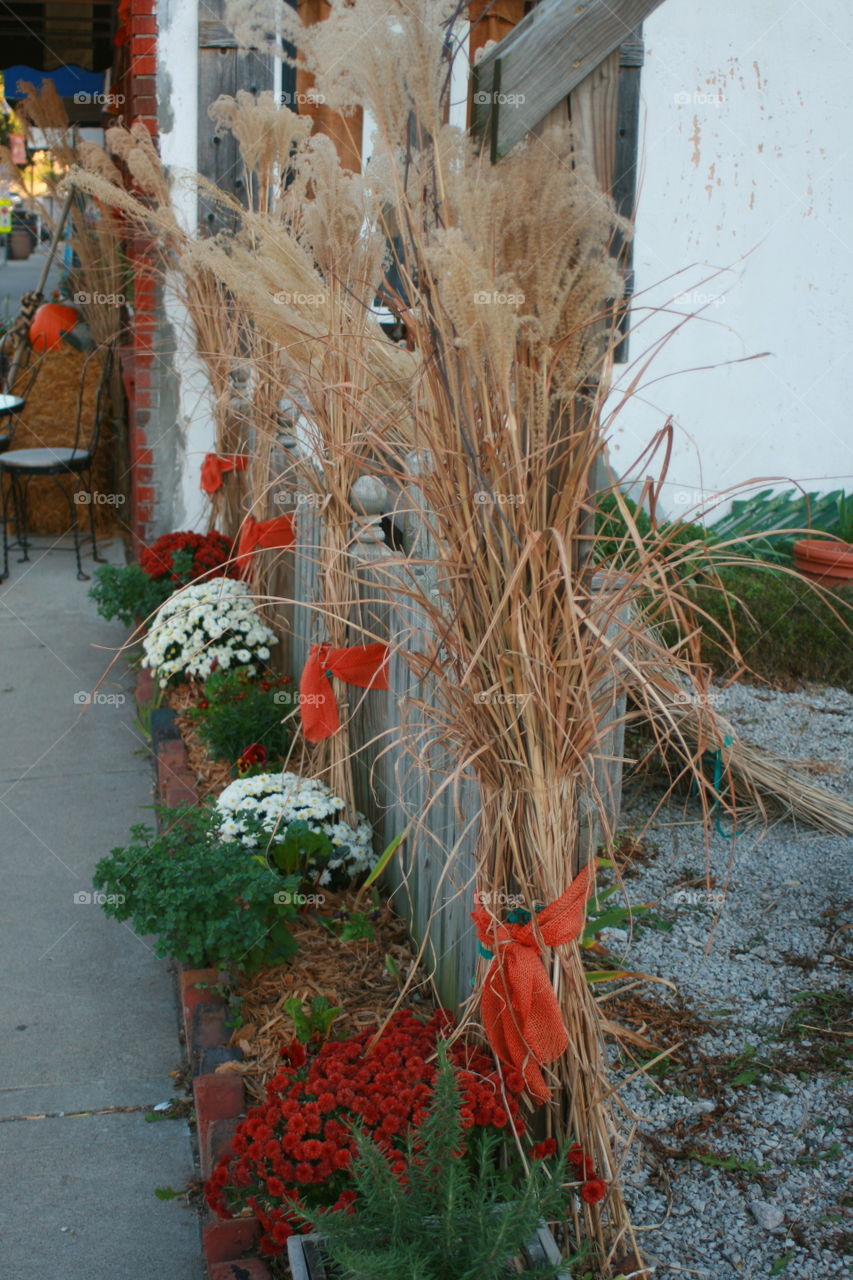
(10,404)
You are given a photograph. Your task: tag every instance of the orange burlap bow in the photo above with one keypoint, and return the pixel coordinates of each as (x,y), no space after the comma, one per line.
(520,1010)
(214,467)
(264,534)
(364,665)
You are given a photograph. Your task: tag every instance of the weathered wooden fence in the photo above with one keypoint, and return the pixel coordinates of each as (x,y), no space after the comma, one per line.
(405,777)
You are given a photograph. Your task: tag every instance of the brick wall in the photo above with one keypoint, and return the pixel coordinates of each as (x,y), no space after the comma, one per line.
(140,364)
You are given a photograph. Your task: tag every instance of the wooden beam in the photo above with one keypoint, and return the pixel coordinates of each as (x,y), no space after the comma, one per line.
(344,131)
(542,60)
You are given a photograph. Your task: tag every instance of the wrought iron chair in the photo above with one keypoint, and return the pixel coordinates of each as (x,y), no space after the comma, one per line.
(58,463)
(14,398)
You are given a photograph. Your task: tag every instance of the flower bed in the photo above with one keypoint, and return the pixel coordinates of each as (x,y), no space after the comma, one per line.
(321,1042)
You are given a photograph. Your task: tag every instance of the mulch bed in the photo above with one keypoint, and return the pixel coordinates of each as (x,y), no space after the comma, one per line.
(213,775)
(363,978)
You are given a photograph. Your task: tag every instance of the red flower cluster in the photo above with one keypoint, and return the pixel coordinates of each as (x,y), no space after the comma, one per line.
(593,1188)
(255,753)
(209,553)
(298,1147)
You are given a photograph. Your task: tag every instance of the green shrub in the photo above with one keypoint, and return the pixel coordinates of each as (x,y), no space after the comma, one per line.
(135,591)
(206,900)
(127,592)
(613,547)
(785,630)
(450,1214)
(237,710)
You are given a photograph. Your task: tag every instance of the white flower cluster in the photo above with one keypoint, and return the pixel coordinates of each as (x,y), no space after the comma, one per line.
(204,627)
(277,799)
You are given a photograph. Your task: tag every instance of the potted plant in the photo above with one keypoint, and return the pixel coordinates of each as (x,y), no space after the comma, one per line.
(829,561)
(446,1210)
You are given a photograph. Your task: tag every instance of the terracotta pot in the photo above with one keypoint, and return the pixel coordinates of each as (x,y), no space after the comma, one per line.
(824,561)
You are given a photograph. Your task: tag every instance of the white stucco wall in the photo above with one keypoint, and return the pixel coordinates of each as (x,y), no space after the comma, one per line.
(745,215)
(177,75)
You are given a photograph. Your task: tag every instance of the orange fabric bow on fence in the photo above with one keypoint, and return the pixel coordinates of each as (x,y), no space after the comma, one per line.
(520,1010)
(214,467)
(265,535)
(364,665)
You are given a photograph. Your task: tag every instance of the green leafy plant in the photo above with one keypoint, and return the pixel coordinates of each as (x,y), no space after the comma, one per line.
(208,903)
(358,928)
(132,591)
(299,846)
(126,592)
(237,709)
(599,917)
(732,1164)
(844,528)
(450,1214)
(316,1023)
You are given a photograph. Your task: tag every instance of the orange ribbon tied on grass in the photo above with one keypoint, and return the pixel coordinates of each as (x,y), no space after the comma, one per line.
(263,535)
(520,1010)
(364,665)
(215,466)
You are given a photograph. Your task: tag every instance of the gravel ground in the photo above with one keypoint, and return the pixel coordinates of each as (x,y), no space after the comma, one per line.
(778,1106)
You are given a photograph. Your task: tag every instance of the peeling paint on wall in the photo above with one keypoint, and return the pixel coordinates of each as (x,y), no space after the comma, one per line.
(696,139)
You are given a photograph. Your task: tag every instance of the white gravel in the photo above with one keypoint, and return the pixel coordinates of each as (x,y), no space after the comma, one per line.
(784,1214)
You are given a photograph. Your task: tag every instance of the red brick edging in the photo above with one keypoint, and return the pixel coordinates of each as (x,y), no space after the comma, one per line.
(220,1097)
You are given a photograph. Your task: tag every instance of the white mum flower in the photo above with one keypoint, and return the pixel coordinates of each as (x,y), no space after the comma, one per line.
(204,626)
(274,800)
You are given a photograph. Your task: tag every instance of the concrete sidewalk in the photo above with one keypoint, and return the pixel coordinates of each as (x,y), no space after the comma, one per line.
(89,1019)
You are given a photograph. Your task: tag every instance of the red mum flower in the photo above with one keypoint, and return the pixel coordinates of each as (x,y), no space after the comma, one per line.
(281,1232)
(575,1156)
(543,1149)
(294,1053)
(594,1190)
